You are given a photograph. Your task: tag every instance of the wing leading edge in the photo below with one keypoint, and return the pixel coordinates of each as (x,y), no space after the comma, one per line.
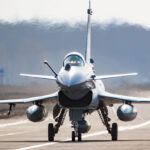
(32,99)
(38,76)
(115,76)
(115,98)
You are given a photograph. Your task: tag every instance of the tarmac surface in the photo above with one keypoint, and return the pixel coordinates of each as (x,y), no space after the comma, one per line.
(17,132)
(21,134)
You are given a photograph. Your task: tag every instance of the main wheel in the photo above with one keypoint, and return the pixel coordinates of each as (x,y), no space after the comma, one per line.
(51,133)
(73,136)
(114,132)
(79,136)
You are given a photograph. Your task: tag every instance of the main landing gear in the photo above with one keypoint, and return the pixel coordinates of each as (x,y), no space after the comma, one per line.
(81,126)
(103,113)
(53,129)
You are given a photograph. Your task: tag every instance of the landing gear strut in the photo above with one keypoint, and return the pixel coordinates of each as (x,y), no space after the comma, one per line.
(52,130)
(103,113)
(11,107)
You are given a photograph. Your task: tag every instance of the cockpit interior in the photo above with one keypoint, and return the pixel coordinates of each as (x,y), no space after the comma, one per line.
(73,60)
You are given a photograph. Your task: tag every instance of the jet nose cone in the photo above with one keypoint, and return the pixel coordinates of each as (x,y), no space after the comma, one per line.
(73,77)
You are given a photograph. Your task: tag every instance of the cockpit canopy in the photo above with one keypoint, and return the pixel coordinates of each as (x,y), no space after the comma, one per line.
(73,60)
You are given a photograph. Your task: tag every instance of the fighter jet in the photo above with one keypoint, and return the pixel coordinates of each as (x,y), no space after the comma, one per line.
(81,92)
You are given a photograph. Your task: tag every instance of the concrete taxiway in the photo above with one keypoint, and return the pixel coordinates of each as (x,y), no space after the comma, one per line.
(21,134)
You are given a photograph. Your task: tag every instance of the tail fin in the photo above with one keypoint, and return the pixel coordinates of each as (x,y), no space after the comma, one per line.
(88,42)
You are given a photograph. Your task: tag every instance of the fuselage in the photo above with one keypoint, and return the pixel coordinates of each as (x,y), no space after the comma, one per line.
(78,89)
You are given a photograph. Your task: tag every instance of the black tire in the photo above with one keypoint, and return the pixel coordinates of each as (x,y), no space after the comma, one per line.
(114,132)
(73,136)
(51,132)
(79,136)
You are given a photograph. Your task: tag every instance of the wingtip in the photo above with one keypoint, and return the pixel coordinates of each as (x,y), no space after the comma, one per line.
(136,73)
(22,74)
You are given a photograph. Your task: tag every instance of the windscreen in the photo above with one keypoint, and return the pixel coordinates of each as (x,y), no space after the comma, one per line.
(74,60)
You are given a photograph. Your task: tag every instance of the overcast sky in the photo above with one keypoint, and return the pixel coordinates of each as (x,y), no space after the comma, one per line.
(73,11)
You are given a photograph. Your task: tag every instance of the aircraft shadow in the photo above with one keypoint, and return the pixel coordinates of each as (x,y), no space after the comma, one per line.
(84,141)
(25,141)
(94,141)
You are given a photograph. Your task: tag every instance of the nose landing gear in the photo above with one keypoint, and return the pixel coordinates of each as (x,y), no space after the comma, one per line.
(76,134)
(80,127)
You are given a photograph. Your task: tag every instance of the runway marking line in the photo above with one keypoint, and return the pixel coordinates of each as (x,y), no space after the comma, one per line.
(14,123)
(14,133)
(88,135)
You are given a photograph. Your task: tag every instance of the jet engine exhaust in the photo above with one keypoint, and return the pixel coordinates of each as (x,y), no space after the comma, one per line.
(126,112)
(36,113)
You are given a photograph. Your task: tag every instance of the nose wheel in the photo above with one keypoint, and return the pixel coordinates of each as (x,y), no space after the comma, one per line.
(73,136)
(76,134)
(79,136)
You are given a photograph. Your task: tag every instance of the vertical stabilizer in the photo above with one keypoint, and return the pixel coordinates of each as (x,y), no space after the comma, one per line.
(88,42)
